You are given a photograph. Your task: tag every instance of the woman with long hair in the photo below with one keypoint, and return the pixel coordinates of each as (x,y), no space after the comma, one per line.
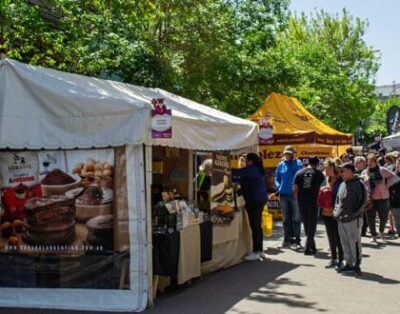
(378,180)
(326,200)
(251,179)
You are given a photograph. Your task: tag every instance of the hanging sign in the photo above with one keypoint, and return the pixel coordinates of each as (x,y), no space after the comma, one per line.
(222,205)
(392,120)
(161,120)
(266,134)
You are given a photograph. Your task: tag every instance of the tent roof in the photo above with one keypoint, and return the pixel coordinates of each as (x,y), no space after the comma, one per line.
(44,108)
(392,141)
(290,119)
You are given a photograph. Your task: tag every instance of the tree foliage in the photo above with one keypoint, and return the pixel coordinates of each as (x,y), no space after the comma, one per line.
(329,67)
(229,54)
(377,121)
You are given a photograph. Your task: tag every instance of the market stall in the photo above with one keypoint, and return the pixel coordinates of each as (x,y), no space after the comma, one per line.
(78,159)
(284,121)
(73,223)
(190,237)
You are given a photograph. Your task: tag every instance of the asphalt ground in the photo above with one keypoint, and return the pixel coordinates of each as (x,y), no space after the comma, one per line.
(287,282)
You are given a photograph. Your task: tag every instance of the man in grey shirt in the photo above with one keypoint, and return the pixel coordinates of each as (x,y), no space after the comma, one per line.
(349,207)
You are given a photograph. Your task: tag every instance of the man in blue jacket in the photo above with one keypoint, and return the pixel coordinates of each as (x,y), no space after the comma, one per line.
(284,181)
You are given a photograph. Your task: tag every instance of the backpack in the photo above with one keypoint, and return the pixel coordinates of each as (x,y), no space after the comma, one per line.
(325,197)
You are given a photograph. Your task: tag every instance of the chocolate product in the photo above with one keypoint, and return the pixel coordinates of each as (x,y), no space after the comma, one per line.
(14,241)
(20,191)
(61,237)
(93,202)
(18,225)
(6,229)
(57,177)
(50,220)
(92,196)
(100,231)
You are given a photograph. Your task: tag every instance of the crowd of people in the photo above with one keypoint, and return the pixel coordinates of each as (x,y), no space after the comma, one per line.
(347,193)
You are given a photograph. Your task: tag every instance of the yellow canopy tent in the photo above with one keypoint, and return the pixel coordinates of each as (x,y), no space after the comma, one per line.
(294,125)
(284,121)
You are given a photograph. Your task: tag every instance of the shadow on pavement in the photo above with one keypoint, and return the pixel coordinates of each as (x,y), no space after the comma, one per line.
(389,243)
(269,295)
(375,246)
(219,292)
(378,278)
(273,251)
(323,255)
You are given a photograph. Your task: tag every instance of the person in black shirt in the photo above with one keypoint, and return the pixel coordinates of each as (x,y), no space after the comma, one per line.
(307,183)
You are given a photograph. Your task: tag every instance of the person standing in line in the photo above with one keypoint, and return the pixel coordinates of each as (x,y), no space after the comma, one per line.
(390,163)
(395,198)
(252,183)
(337,161)
(378,180)
(307,183)
(326,201)
(349,205)
(361,164)
(284,181)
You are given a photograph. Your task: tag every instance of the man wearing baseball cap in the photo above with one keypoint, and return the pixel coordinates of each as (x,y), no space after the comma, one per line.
(349,207)
(284,181)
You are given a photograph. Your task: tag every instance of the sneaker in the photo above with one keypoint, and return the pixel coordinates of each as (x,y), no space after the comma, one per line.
(252,257)
(339,266)
(373,239)
(262,255)
(308,252)
(296,246)
(357,271)
(382,236)
(391,231)
(332,264)
(285,245)
(346,269)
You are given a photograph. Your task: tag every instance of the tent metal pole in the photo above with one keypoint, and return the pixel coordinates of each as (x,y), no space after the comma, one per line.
(190,175)
(149,181)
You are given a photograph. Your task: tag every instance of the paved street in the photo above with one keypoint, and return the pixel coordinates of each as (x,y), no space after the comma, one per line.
(288,282)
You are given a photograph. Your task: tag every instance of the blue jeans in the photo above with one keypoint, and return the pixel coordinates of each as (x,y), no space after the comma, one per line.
(291,217)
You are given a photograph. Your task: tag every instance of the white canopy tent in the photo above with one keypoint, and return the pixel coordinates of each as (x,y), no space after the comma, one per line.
(44,108)
(47,109)
(392,141)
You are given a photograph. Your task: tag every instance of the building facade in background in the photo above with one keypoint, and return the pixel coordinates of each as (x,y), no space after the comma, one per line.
(385,91)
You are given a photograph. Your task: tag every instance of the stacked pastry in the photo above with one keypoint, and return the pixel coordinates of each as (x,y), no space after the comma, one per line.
(50,220)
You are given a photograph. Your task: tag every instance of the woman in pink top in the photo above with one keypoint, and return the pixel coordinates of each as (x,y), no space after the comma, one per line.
(378,180)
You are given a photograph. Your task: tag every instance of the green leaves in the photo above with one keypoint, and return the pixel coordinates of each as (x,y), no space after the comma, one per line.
(377,121)
(334,67)
(228,54)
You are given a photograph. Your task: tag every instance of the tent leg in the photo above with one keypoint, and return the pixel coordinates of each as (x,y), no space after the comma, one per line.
(149,180)
(190,176)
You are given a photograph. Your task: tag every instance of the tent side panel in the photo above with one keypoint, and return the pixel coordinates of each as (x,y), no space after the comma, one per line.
(74,275)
